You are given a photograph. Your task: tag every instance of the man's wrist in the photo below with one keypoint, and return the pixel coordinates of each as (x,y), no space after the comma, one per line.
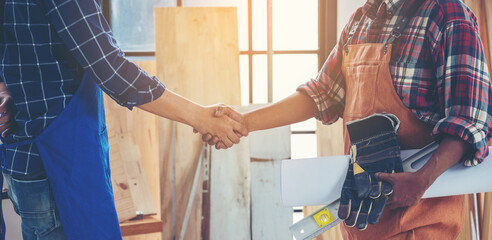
(424,179)
(247,121)
(198,114)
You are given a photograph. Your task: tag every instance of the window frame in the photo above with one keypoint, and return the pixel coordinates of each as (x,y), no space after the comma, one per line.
(327,25)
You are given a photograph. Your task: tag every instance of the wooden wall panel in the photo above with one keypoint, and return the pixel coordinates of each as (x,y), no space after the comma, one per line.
(197,57)
(134,139)
(230,193)
(269,218)
(122,193)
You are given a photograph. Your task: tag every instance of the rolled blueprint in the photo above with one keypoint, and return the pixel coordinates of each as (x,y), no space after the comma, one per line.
(318,181)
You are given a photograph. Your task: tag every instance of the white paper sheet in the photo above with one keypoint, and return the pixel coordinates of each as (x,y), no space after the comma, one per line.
(318,181)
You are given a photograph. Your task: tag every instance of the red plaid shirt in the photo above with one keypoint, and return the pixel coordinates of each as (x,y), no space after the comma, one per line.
(438,67)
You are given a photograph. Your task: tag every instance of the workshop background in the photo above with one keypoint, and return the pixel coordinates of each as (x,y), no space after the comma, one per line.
(245,53)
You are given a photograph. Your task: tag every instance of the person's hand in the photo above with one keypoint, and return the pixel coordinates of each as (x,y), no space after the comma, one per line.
(7,122)
(408,188)
(221,111)
(228,126)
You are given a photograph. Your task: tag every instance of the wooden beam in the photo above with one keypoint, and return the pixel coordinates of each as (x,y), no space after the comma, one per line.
(197,57)
(149,224)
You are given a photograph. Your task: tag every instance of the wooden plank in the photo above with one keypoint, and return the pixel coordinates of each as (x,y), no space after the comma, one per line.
(230,193)
(269,219)
(121,188)
(139,170)
(124,152)
(149,224)
(330,143)
(468,226)
(146,236)
(137,178)
(487,214)
(197,53)
(197,57)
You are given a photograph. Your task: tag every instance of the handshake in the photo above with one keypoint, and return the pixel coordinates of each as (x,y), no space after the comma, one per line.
(221,126)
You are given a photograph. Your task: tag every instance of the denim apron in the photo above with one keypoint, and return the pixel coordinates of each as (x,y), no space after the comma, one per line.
(369,90)
(75,153)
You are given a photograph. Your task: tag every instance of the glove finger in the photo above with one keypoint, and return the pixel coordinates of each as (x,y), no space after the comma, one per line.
(350,222)
(347,194)
(386,188)
(344,210)
(375,189)
(363,184)
(377,210)
(355,207)
(361,221)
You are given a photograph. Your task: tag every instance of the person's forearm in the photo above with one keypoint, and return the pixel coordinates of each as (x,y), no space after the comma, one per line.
(175,107)
(450,151)
(295,108)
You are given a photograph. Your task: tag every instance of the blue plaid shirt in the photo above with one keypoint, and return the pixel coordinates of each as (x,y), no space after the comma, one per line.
(46,47)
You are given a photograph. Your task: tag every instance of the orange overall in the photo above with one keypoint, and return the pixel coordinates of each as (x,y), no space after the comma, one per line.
(369,89)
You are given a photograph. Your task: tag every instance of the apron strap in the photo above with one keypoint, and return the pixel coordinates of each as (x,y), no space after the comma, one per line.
(400,25)
(402,22)
(353,28)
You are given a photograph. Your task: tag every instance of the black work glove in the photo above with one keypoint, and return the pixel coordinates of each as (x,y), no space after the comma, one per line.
(358,211)
(374,149)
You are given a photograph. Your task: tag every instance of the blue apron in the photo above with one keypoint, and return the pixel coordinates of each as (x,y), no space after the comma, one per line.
(75,153)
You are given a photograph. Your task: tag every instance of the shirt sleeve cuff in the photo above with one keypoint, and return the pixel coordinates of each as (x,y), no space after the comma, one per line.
(150,92)
(329,112)
(470,133)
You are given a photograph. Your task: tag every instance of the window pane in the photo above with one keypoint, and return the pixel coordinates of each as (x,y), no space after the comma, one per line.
(244,74)
(259,8)
(133,23)
(303,146)
(295,24)
(242,15)
(290,71)
(260,83)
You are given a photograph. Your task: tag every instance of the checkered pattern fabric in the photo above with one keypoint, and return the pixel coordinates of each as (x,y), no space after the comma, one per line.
(438,67)
(47,46)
